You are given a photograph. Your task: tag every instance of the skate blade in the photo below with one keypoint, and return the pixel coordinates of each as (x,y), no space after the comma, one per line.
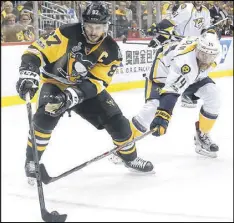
(31,181)
(185,105)
(141,172)
(206,153)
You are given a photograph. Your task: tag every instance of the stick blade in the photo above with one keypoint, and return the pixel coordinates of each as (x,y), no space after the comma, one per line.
(54,216)
(45,178)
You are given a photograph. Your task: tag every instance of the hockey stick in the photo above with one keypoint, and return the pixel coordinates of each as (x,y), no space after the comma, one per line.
(54,216)
(46,179)
(163,32)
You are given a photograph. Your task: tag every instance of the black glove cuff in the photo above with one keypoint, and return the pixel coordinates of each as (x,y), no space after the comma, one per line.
(29,67)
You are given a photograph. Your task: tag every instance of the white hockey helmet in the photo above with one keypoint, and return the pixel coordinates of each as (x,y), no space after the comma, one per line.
(208,48)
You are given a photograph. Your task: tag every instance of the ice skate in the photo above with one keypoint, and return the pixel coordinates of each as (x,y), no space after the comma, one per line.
(30,172)
(140,165)
(204,145)
(187,102)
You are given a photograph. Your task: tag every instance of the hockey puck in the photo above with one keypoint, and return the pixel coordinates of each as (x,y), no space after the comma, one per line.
(54,213)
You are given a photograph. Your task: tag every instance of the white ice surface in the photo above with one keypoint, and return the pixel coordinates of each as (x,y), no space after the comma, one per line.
(186,186)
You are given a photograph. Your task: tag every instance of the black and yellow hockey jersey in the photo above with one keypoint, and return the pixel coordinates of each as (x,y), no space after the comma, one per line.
(66,59)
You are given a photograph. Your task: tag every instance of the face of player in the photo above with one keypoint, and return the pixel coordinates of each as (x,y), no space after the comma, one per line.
(205,60)
(94,31)
(198,4)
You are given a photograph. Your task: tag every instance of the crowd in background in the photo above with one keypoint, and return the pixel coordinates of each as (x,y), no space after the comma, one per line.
(17,17)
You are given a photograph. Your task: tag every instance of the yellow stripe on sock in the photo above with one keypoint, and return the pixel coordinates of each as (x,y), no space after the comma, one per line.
(121,143)
(42,135)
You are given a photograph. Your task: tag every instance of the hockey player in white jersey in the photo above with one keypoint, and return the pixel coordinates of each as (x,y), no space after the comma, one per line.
(176,66)
(190,19)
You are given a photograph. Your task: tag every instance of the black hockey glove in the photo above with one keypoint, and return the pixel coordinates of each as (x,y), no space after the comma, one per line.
(154,43)
(160,122)
(56,105)
(28,80)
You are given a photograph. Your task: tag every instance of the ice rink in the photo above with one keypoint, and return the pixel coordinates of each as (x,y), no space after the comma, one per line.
(185,187)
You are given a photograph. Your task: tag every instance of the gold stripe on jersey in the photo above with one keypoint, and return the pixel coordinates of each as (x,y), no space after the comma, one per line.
(70,63)
(169,29)
(55,46)
(188,49)
(160,56)
(149,88)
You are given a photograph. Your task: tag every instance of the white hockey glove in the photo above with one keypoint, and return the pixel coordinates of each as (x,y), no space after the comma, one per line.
(56,105)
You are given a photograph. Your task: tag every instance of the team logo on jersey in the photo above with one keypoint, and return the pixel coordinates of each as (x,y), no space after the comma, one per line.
(78,66)
(185,69)
(199,22)
(110,102)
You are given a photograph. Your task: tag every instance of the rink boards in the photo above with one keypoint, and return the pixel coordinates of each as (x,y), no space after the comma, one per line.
(137,60)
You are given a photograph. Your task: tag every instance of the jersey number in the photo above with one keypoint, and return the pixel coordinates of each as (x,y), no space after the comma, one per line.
(112,70)
(52,42)
(180,82)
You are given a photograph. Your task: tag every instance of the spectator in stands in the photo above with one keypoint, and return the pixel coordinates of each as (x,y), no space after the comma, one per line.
(25,21)
(128,12)
(216,13)
(122,23)
(11,31)
(134,32)
(70,12)
(8,9)
(132,6)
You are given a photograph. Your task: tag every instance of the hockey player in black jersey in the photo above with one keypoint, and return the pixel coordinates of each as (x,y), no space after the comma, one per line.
(77,63)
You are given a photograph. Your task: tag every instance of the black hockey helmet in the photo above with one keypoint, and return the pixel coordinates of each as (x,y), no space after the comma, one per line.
(96,12)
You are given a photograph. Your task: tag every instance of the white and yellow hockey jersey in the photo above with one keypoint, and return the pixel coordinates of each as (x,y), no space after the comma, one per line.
(189,21)
(176,66)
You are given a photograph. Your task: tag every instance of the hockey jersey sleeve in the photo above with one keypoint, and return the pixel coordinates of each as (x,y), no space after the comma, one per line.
(207,18)
(46,49)
(182,14)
